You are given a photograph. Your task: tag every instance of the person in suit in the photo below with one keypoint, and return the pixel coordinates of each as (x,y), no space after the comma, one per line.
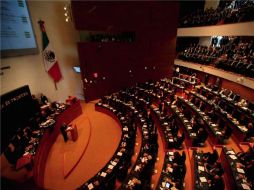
(211,158)
(195,124)
(202,106)
(215,169)
(63,131)
(249,170)
(200,138)
(202,135)
(250,132)
(179,159)
(177,172)
(216,182)
(178,141)
(44,99)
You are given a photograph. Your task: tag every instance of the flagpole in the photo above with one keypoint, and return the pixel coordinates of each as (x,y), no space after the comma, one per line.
(49,59)
(55,85)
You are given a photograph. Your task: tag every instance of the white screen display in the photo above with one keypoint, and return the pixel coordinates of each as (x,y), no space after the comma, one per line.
(16,28)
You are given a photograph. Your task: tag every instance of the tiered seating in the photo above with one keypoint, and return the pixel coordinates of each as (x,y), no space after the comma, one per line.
(242,123)
(155,105)
(177,87)
(186,80)
(118,165)
(208,171)
(140,175)
(24,144)
(232,55)
(197,127)
(213,129)
(166,123)
(214,114)
(199,54)
(173,172)
(235,170)
(190,134)
(238,11)
(169,130)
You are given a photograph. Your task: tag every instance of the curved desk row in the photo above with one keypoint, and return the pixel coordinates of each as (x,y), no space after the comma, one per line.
(190,133)
(238,130)
(215,133)
(140,175)
(106,177)
(170,139)
(245,110)
(235,173)
(171,174)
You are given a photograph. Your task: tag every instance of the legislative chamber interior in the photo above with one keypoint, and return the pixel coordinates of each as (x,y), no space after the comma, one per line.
(127,95)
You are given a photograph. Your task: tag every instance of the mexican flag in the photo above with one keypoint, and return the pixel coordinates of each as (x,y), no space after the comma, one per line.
(49,58)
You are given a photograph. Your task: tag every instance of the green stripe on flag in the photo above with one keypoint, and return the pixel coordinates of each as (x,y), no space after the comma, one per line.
(45,40)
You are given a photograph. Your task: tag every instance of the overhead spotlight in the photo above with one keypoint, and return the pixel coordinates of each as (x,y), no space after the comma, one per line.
(130,71)
(145,68)
(67,12)
(103,78)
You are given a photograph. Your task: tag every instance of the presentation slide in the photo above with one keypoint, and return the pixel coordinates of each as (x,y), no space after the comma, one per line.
(16,28)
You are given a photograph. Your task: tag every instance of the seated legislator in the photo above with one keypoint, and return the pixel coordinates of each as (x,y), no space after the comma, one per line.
(201,137)
(178,141)
(250,132)
(246,157)
(250,171)
(214,169)
(226,133)
(180,160)
(216,183)
(202,106)
(242,103)
(211,158)
(64,132)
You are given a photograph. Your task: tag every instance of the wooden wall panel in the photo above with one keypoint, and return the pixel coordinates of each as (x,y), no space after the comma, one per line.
(244,92)
(155,26)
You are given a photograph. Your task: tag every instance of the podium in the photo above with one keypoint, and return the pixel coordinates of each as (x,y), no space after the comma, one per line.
(74,132)
(73,110)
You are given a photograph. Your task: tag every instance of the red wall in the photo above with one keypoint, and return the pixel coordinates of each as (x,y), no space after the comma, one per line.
(155,25)
(243,91)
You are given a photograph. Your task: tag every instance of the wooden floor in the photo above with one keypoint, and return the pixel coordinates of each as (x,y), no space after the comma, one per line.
(104,139)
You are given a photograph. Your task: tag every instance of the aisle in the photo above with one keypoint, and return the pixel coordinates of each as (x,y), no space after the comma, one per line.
(159,162)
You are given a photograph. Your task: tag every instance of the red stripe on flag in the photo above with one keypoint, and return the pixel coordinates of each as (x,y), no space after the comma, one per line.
(55,72)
